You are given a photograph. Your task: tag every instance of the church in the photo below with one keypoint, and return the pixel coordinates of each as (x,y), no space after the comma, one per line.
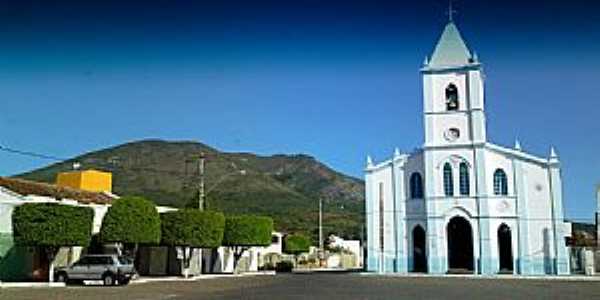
(461,204)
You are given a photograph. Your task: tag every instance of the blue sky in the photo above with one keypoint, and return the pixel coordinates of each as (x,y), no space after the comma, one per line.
(334,79)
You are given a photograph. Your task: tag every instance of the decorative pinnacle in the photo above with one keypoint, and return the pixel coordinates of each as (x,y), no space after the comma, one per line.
(396,152)
(553,156)
(369,161)
(517,145)
(426,61)
(475,57)
(553,153)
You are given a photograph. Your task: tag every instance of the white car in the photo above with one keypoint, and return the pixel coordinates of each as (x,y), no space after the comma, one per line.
(110,268)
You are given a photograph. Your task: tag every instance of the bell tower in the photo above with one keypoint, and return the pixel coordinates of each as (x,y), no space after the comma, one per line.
(453,93)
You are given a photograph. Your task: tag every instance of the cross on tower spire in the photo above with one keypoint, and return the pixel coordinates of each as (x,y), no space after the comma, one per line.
(450,12)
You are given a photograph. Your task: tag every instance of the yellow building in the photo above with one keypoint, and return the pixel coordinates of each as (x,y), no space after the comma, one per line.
(88,180)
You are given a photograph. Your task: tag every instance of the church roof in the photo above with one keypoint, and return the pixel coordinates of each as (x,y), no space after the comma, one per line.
(451,50)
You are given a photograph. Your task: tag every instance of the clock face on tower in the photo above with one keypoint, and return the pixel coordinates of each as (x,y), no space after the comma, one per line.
(452,134)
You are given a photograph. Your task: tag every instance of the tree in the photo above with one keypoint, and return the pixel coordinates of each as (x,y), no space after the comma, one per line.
(51,226)
(296,244)
(131,220)
(192,228)
(245,231)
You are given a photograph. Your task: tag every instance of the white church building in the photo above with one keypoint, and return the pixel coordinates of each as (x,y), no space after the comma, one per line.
(460,203)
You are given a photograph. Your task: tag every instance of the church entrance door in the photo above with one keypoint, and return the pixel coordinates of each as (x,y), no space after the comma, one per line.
(460,246)
(419,257)
(505,249)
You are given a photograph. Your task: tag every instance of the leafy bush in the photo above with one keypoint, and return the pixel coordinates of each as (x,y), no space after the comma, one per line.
(52,225)
(284,266)
(247,231)
(296,244)
(131,220)
(192,228)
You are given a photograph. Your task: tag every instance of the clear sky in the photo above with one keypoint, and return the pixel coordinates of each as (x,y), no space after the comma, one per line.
(334,79)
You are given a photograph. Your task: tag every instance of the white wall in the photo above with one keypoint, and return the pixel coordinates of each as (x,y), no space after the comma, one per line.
(539,206)
(382,178)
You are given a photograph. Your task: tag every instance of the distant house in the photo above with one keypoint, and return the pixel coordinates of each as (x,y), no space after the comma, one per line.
(22,263)
(352,247)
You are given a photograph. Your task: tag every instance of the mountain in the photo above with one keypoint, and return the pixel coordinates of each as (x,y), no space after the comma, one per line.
(285,187)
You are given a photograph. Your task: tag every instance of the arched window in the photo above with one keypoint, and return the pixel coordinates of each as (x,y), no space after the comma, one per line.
(448,180)
(500,183)
(451,97)
(416,186)
(464,179)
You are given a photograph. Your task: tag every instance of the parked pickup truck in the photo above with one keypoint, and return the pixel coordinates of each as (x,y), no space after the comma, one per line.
(110,268)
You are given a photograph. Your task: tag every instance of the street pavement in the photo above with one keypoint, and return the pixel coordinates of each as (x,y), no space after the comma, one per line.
(323,286)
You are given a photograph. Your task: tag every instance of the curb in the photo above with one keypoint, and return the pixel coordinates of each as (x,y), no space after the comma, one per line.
(490,277)
(32,284)
(142,280)
(326,270)
(137,281)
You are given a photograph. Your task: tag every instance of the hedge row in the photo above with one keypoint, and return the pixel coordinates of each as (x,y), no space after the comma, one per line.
(135,220)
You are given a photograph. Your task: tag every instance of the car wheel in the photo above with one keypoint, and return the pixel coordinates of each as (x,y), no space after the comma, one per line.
(62,277)
(108,279)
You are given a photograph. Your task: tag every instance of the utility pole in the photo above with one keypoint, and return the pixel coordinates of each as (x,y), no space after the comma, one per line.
(321,224)
(201,203)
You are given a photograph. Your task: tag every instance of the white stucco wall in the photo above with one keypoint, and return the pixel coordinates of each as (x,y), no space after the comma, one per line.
(540,211)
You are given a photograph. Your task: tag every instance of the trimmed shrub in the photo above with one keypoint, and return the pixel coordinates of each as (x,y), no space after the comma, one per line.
(296,244)
(192,228)
(132,220)
(52,225)
(247,231)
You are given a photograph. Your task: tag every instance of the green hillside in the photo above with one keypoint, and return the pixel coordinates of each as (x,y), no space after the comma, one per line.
(286,187)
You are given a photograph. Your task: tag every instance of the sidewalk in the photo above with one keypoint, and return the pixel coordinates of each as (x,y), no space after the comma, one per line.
(489,277)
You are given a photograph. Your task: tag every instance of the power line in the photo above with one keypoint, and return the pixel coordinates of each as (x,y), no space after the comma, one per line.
(31,154)
(106,165)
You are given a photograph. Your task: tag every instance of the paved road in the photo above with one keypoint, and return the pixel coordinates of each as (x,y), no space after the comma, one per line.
(324,286)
